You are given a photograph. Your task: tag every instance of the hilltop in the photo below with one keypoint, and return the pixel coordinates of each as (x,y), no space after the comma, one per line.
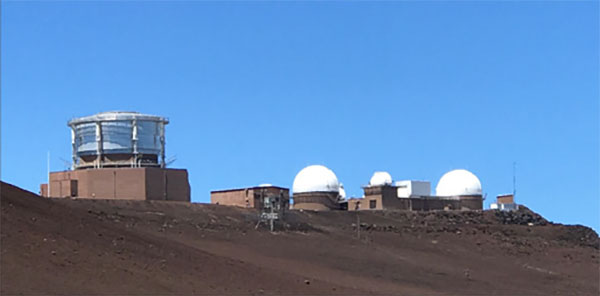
(63,246)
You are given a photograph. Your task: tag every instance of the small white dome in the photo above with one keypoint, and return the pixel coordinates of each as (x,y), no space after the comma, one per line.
(342,192)
(458,183)
(315,178)
(381,178)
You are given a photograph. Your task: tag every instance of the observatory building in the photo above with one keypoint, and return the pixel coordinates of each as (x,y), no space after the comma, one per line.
(119,155)
(251,197)
(382,193)
(316,188)
(456,190)
(461,185)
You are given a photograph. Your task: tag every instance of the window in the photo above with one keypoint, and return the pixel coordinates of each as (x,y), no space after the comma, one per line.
(372,204)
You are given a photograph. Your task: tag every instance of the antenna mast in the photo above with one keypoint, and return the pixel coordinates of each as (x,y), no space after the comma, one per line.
(514,178)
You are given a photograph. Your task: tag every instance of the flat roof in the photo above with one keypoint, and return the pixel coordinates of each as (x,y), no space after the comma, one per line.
(506,194)
(413,181)
(247,188)
(116,116)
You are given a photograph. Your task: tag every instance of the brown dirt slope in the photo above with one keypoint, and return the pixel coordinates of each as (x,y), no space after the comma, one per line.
(61,246)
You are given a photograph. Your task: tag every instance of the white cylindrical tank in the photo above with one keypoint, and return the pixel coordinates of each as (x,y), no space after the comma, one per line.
(380,179)
(458,183)
(118,139)
(315,178)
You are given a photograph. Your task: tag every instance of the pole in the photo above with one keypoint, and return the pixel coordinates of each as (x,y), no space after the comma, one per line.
(357,226)
(271,218)
(48,171)
(356,208)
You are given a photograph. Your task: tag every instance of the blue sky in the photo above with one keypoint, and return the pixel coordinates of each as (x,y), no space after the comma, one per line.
(255,91)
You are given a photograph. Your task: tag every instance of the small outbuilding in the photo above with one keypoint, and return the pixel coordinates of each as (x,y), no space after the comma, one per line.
(505,202)
(251,197)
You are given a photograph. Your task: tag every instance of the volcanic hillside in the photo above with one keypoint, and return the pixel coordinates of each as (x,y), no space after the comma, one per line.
(62,246)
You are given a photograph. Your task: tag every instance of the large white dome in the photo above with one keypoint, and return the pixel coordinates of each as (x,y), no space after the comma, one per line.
(315,178)
(458,183)
(381,178)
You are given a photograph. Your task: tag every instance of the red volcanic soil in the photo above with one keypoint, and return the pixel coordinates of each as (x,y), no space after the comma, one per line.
(108,247)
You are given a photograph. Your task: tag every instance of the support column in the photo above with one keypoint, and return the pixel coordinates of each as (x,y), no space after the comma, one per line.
(99,145)
(74,149)
(134,143)
(161,127)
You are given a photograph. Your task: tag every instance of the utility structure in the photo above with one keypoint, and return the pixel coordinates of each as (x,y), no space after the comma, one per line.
(271,211)
(119,155)
(272,207)
(356,208)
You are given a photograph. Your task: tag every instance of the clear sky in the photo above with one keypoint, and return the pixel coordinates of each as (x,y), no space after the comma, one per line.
(255,91)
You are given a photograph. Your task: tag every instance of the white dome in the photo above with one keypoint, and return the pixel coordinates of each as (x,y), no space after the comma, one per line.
(458,183)
(315,178)
(342,192)
(381,178)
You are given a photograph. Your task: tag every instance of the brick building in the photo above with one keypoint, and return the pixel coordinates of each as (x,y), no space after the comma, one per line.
(118,155)
(251,197)
(120,183)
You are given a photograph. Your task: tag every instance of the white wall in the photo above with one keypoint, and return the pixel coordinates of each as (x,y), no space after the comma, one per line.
(422,188)
(410,188)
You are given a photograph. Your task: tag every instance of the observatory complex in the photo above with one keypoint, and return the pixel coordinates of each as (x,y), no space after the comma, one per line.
(317,188)
(119,155)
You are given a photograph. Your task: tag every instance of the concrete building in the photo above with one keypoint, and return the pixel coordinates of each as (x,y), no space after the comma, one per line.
(251,197)
(118,155)
(316,188)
